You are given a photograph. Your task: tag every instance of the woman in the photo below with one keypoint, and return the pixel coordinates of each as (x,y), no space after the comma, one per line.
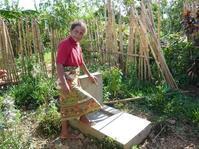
(74,101)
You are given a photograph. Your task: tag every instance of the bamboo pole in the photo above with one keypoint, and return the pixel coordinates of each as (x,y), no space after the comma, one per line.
(111,36)
(158,53)
(109,31)
(24,38)
(11,58)
(41,48)
(123,100)
(53,51)
(120,57)
(146,28)
(7,55)
(21,49)
(2,48)
(159,20)
(97,35)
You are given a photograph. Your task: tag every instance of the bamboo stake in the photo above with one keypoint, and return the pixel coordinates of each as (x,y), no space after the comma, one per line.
(131,55)
(147,72)
(41,55)
(24,37)
(3,64)
(120,57)
(5,56)
(11,58)
(53,51)
(157,46)
(165,71)
(97,35)
(109,32)
(159,20)
(123,100)
(21,51)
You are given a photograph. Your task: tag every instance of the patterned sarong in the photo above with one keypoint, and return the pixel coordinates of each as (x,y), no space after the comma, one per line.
(77,102)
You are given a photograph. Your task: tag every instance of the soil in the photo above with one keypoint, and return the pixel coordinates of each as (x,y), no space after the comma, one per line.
(170,134)
(29,125)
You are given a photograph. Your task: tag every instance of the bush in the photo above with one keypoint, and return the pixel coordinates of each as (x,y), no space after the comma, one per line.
(33,91)
(179,55)
(49,120)
(175,105)
(34,88)
(112,80)
(107,143)
(10,137)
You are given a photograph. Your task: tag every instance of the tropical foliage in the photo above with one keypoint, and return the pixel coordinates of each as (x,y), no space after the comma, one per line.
(36,91)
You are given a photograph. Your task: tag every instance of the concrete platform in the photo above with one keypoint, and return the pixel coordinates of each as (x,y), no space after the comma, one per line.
(123,127)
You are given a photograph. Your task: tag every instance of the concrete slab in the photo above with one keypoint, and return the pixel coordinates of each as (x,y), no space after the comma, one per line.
(93,89)
(123,127)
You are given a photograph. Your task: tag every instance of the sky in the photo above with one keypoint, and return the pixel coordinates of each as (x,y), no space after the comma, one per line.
(28,4)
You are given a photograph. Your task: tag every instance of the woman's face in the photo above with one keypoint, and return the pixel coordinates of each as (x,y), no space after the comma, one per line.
(77,33)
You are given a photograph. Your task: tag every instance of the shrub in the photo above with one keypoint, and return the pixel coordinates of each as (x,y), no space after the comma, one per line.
(112,80)
(179,55)
(10,137)
(49,120)
(35,87)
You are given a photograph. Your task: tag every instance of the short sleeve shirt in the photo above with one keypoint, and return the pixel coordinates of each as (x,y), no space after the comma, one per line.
(69,53)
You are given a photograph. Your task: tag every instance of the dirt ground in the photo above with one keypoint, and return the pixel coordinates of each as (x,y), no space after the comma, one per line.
(170,134)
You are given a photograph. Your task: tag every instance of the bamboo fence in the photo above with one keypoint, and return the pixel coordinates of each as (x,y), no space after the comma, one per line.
(28,46)
(111,37)
(154,44)
(108,42)
(142,42)
(7,61)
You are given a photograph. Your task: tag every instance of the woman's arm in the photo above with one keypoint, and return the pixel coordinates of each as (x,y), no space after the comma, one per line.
(61,78)
(85,70)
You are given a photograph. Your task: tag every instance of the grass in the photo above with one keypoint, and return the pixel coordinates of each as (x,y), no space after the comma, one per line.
(162,105)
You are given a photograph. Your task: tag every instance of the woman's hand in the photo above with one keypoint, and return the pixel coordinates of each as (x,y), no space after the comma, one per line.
(93,79)
(65,87)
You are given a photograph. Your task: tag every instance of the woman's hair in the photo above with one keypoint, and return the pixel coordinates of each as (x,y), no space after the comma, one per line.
(78,23)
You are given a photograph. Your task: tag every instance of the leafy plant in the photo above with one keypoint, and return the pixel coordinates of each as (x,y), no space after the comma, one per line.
(107,143)
(179,54)
(49,120)
(10,137)
(34,89)
(195,115)
(112,81)
(174,104)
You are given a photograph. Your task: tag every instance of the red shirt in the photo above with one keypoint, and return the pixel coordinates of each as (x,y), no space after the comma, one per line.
(69,53)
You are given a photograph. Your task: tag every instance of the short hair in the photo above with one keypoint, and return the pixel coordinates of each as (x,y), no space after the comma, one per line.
(78,23)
